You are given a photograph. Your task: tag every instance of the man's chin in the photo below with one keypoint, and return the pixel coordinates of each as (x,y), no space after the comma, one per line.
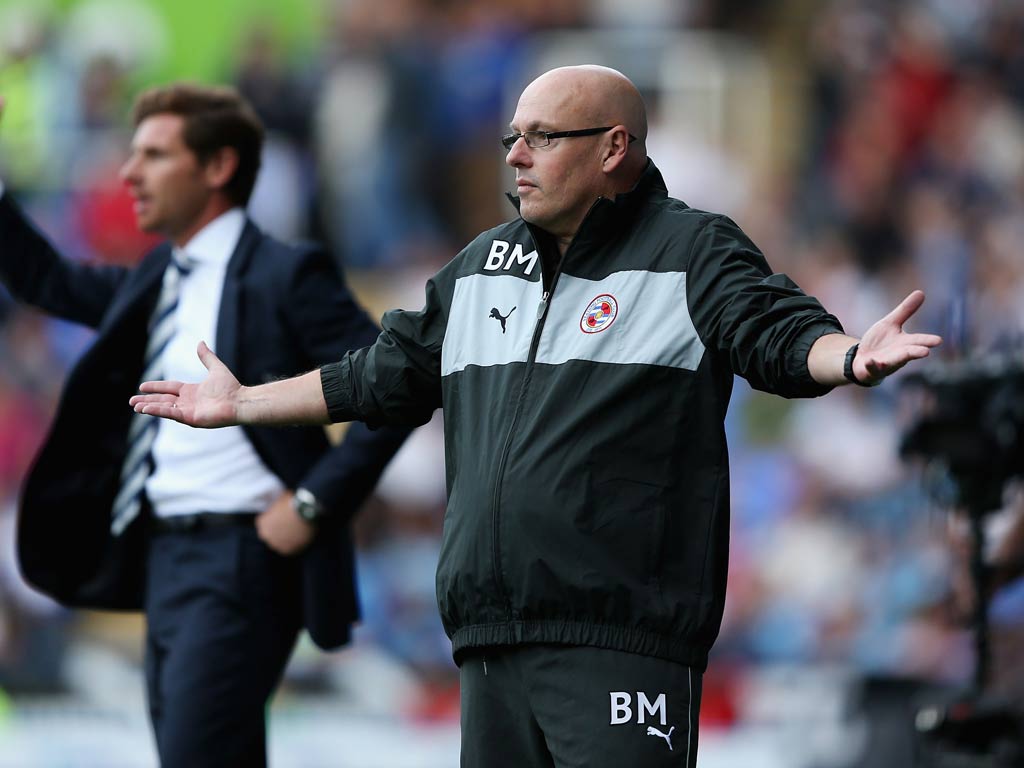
(147,225)
(531,215)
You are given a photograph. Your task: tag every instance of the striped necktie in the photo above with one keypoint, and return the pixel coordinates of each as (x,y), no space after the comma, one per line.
(142,430)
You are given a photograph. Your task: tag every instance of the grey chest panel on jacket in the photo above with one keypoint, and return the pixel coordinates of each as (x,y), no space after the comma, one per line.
(628,317)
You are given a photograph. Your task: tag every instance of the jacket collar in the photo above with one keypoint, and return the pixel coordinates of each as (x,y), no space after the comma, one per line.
(610,215)
(142,288)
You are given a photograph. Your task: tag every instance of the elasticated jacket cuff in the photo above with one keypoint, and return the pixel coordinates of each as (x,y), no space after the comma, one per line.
(801,348)
(335,384)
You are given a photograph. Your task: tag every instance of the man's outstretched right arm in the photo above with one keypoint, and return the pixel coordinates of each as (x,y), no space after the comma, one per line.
(220,401)
(395,381)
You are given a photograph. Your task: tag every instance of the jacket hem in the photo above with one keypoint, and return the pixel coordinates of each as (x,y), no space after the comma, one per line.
(615,638)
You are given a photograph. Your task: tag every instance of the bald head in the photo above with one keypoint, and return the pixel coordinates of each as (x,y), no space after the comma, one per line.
(596,95)
(599,124)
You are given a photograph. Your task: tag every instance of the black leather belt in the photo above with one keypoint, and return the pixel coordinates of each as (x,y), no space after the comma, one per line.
(202,521)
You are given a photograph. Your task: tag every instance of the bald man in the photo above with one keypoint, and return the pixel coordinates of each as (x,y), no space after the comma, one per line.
(583,561)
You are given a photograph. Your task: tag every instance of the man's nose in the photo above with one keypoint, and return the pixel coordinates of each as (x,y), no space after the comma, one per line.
(519,155)
(128,170)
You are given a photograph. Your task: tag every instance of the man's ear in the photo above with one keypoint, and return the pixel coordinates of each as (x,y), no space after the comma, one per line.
(616,148)
(221,167)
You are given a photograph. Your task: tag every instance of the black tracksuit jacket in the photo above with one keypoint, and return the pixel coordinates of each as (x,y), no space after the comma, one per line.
(586,460)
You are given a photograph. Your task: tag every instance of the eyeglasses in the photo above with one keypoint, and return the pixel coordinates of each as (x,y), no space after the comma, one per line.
(537,139)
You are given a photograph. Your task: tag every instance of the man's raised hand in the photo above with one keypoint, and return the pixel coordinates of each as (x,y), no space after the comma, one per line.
(886,348)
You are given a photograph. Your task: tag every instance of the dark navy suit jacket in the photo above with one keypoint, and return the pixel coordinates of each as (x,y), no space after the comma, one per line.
(285,310)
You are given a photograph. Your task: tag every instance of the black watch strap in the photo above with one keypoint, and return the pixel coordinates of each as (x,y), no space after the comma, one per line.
(848,373)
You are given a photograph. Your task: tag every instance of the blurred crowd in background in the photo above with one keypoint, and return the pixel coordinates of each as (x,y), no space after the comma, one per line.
(868,147)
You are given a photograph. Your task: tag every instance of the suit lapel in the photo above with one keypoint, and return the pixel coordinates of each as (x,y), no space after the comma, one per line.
(142,286)
(229,317)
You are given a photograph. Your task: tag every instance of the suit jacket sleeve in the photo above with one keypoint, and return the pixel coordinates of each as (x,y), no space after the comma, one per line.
(36,274)
(327,322)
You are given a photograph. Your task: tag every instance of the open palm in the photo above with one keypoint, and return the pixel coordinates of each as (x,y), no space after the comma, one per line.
(886,348)
(211,403)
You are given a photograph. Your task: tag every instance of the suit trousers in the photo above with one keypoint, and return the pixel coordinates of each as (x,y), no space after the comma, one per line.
(223,614)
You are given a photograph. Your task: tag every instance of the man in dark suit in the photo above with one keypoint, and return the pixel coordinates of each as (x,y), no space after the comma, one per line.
(229,545)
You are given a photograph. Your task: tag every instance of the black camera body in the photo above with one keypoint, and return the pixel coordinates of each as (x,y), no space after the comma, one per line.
(972,421)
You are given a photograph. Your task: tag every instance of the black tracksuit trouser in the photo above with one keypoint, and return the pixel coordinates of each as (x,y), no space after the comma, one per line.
(550,706)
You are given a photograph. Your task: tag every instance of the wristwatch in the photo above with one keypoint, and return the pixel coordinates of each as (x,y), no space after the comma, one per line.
(307,506)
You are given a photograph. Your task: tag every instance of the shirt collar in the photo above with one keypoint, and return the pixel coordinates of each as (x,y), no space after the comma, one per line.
(215,242)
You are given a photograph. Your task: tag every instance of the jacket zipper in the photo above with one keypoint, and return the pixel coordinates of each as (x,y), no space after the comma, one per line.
(495,503)
(542,312)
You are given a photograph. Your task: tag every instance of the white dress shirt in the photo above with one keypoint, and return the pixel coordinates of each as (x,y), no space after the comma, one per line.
(205,470)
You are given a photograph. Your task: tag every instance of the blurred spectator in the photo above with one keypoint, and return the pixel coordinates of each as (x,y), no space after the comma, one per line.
(377,134)
(479,51)
(31,81)
(282,201)
(101,205)
(277,93)
(33,629)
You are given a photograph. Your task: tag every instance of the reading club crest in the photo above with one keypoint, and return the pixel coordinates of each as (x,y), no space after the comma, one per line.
(600,313)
